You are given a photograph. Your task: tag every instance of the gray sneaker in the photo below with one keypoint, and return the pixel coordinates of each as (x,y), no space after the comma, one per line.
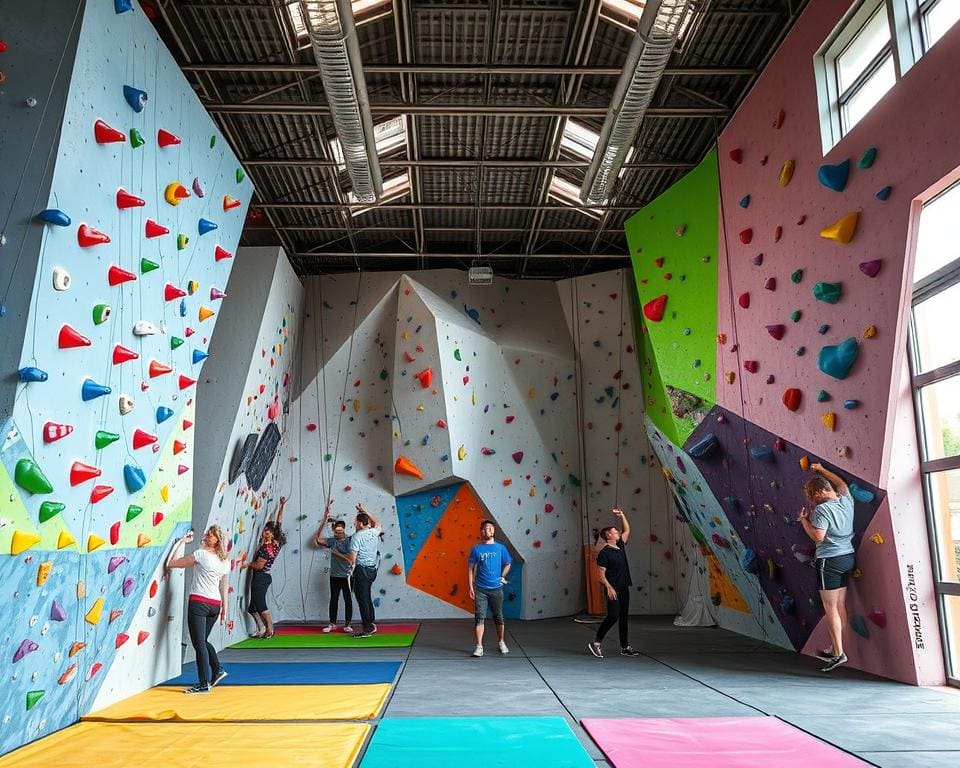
(198,689)
(835,662)
(596,649)
(220,675)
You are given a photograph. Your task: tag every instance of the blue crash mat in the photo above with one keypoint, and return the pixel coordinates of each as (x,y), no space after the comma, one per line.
(299,673)
(475,742)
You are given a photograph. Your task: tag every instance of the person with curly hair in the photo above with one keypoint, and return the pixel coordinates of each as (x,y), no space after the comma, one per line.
(271,541)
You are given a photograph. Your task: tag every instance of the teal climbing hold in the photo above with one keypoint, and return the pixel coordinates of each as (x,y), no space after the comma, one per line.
(867,158)
(134,478)
(861,494)
(705,447)
(823,396)
(836,361)
(834,176)
(745,201)
(829,293)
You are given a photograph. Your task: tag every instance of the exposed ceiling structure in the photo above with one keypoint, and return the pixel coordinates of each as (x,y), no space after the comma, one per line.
(486,114)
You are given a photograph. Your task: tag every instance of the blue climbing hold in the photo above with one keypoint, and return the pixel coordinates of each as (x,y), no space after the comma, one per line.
(54,216)
(30,373)
(472,313)
(90,390)
(851,404)
(861,494)
(859,625)
(134,478)
(199,356)
(761,452)
(163,413)
(183,307)
(705,447)
(136,98)
(836,361)
(745,201)
(425,440)
(750,562)
(122,6)
(205,225)
(884,193)
(787,604)
(834,176)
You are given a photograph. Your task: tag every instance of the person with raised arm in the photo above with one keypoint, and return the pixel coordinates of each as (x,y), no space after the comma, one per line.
(364,556)
(271,541)
(615,578)
(340,570)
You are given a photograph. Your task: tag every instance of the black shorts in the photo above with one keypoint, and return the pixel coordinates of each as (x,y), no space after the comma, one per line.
(834,572)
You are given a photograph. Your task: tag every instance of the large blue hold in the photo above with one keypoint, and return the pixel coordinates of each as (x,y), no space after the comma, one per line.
(750,562)
(205,225)
(834,176)
(836,361)
(163,413)
(31,373)
(761,453)
(861,494)
(91,390)
(705,447)
(122,6)
(136,98)
(199,356)
(54,216)
(134,478)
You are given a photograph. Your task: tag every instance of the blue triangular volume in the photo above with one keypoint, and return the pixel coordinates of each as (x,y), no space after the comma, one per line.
(205,225)
(418,515)
(122,6)
(163,413)
(199,356)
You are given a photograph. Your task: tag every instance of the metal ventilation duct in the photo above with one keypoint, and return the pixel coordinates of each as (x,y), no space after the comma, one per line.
(660,24)
(334,40)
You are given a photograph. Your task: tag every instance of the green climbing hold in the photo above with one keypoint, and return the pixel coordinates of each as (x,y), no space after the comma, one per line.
(823,396)
(136,140)
(148,266)
(383,375)
(327,456)
(49,509)
(29,477)
(796,315)
(133,511)
(867,158)
(175,341)
(104,438)
(828,292)
(796,276)
(101,313)
(33,697)
(574,480)
(456,355)
(182,241)
(240,175)
(213,141)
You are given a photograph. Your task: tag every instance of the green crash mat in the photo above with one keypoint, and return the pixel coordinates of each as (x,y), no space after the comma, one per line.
(333,640)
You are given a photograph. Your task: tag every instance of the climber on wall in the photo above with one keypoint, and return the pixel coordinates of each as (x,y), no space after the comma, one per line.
(340,568)
(364,556)
(271,540)
(830,527)
(487,569)
(615,578)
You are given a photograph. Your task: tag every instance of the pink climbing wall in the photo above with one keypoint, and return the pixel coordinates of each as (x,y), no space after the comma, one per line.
(914,131)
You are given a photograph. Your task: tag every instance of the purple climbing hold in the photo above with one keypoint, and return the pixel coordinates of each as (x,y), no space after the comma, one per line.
(770,284)
(871,268)
(57,613)
(518,456)
(129,584)
(27,646)
(115,562)
(757,260)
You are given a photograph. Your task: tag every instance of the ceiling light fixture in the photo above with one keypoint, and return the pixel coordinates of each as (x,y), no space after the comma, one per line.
(335,47)
(660,24)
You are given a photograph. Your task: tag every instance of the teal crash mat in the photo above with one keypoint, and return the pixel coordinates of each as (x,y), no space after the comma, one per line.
(475,742)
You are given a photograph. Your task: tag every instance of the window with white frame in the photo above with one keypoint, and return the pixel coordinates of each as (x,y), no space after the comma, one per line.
(936,17)
(568,193)
(935,368)
(363,11)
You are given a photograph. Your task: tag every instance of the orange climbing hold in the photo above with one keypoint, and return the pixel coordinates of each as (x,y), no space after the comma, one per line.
(205,313)
(804,463)
(404,466)
(229,203)
(425,377)
(396,570)
(829,420)
(158,369)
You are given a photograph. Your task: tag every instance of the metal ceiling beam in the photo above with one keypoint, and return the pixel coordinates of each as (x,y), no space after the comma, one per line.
(313,205)
(459,110)
(486,256)
(450,230)
(310,162)
(465,69)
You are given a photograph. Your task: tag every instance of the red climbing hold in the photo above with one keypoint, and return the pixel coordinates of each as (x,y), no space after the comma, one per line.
(219,254)
(71,338)
(791,399)
(142,635)
(158,369)
(172,293)
(441,424)
(736,155)
(746,236)
(229,203)
(100,492)
(88,236)
(548,508)
(744,300)
(81,473)
(778,120)
(53,431)
(186,425)
(407,357)
(185,382)
(117,276)
(126,200)
(153,588)
(751,365)
(653,310)
(178,447)
(141,439)
(425,377)
(166,139)
(115,533)
(123,355)
(104,134)
(122,637)
(152,229)
(518,456)
(157,518)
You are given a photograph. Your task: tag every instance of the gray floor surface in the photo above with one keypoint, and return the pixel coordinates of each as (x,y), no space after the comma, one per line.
(683,672)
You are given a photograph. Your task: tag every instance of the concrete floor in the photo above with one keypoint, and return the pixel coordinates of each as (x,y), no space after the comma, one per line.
(683,672)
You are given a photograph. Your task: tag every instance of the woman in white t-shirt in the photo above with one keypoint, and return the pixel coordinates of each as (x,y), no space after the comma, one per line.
(208,597)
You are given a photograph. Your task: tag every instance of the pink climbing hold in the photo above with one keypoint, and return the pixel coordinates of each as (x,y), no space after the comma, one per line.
(509,419)
(518,456)
(871,268)
(653,310)
(407,357)
(216,293)
(744,300)
(771,284)
(182,469)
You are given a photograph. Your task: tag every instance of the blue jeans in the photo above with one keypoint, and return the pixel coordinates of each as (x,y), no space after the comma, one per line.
(363,578)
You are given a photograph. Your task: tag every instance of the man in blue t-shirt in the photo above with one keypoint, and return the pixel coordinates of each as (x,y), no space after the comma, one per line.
(487,570)
(364,556)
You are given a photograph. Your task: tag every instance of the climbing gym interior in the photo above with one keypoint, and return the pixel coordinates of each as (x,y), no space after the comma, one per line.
(533,262)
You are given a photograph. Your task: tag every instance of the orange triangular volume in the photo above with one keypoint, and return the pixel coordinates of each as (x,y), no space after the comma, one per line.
(158,369)
(142,540)
(230,202)
(404,466)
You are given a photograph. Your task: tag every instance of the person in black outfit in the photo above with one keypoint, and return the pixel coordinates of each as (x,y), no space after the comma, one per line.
(615,577)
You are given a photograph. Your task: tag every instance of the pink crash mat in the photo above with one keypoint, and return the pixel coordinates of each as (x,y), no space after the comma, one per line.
(718,742)
(316,629)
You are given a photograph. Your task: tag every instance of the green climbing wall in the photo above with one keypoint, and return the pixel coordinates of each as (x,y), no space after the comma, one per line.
(673,246)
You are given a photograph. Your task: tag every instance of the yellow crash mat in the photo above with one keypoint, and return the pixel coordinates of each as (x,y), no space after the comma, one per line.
(194,745)
(250,702)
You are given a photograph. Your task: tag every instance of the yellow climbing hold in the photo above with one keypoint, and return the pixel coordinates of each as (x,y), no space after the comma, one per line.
(43,573)
(421,408)
(22,541)
(842,230)
(473,397)
(170,193)
(165,493)
(804,463)
(877,538)
(142,540)
(533,491)
(65,539)
(870,331)
(94,542)
(729,376)
(829,420)
(356,406)
(532,393)
(93,615)
(786,172)
(461,453)
(405,335)
(205,313)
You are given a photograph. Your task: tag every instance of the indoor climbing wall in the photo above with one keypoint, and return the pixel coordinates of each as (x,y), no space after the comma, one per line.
(619,466)
(437,404)
(145,207)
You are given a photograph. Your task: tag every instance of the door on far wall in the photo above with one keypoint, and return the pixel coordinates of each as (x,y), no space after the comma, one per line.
(935,365)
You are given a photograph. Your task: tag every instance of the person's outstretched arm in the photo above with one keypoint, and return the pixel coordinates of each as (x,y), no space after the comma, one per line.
(374,522)
(283,501)
(177,559)
(836,481)
(625,533)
